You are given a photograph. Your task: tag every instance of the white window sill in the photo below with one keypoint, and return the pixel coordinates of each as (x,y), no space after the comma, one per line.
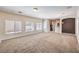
(13,32)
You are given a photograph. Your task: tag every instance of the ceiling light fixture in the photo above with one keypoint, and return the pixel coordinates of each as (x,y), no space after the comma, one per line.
(19,12)
(35,9)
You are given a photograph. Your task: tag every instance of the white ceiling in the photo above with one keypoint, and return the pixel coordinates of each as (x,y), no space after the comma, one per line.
(46,12)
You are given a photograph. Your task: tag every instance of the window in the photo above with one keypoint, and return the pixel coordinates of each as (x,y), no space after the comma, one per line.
(38,26)
(18,26)
(13,26)
(29,26)
(9,26)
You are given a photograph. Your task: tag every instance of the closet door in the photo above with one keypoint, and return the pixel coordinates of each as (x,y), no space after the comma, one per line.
(68,25)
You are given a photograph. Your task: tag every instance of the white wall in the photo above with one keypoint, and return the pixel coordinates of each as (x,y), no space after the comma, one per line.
(46,27)
(77,24)
(58,29)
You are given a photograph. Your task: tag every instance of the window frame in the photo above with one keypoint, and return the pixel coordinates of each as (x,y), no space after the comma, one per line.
(14,27)
(30,25)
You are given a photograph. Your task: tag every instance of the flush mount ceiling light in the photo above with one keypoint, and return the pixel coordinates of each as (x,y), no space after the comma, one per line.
(19,11)
(35,9)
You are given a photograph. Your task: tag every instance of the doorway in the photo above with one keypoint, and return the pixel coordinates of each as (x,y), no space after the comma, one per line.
(51,25)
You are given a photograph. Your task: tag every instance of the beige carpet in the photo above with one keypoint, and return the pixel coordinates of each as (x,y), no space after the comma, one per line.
(42,42)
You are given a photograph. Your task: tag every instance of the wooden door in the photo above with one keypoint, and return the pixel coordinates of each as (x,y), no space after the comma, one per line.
(68,25)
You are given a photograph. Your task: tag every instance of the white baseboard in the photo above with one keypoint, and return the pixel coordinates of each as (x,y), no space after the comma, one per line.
(78,38)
